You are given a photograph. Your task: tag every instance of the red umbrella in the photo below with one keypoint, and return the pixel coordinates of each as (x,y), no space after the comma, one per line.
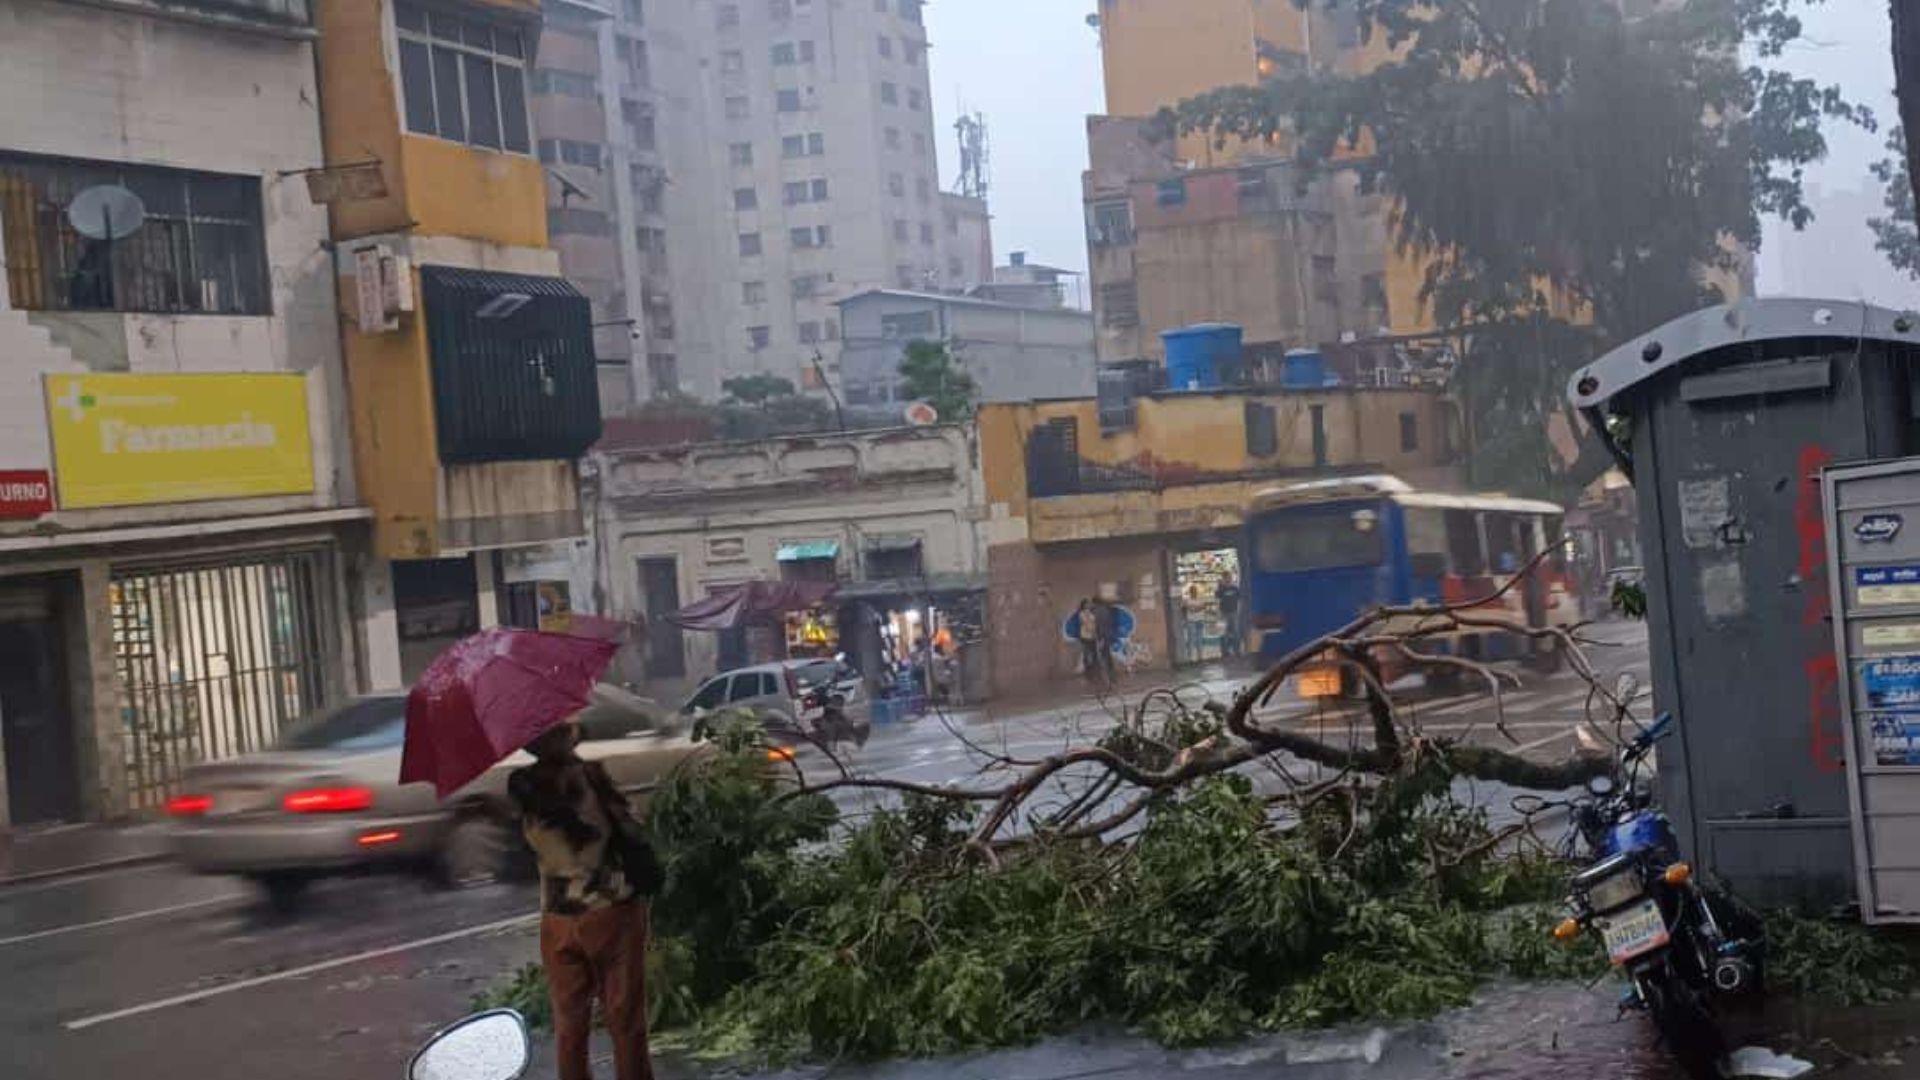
(490,695)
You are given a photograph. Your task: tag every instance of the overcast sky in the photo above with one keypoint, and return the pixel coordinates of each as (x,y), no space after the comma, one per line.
(1033,68)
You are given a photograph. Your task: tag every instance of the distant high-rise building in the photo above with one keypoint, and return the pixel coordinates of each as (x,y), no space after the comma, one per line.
(761,159)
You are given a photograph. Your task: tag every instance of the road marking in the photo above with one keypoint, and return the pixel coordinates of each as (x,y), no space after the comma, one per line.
(38,935)
(79,877)
(296,973)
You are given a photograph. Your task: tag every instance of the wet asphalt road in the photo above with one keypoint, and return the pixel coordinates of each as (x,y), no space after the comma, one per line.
(151,972)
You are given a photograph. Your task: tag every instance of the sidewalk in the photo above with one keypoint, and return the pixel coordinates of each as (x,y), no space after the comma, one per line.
(38,853)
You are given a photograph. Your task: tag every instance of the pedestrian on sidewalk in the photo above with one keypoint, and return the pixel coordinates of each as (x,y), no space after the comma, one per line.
(596,874)
(1227,596)
(1194,613)
(1087,629)
(1106,637)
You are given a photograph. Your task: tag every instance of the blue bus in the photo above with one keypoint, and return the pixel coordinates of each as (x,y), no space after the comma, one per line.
(1321,552)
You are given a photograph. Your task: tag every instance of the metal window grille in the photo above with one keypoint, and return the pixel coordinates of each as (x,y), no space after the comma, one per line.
(214,659)
(201,248)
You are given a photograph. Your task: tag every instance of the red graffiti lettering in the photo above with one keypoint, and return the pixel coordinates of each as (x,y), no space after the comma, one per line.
(1826,729)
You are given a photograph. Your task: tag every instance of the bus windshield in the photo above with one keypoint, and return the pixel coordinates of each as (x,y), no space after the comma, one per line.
(1285,543)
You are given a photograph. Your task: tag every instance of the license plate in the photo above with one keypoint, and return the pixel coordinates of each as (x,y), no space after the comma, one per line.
(1320,682)
(1636,930)
(241,801)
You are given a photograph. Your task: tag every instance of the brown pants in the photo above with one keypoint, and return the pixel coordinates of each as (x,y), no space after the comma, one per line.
(600,954)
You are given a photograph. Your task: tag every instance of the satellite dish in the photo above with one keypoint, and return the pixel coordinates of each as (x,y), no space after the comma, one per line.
(106,212)
(921,414)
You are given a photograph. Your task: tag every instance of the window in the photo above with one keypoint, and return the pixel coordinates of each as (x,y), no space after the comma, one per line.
(922,190)
(650,241)
(886,46)
(1409,432)
(753,292)
(636,12)
(1119,305)
(897,185)
(910,10)
(736,108)
(577,221)
(903,274)
(889,94)
(1112,224)
(759,337)
(202,249)
(783,54)
(793,146)
(926,233)
(911,50)
(1288,543)
(1262,429)
(1326,283)
(816,144)
(727,16)
(741,155)
(787,101)
(806,52)
(745,198)
(1171,192)
(915,99)
(815,236)
(780,10)
(1373,295)
(463,79)
(900,231)
(956,269)
(570,152)
(565,83)
(749,244)
(907,325)
(732,62)
(809,333)
(796,192)
(892,137)
(1318,415)
(663,372)
(819,190)
(652,192)
(640,124)
(919,145)
(807,286)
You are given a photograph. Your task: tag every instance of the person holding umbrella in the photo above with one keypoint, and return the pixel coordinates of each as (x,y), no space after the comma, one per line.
(596,872)
(480,701)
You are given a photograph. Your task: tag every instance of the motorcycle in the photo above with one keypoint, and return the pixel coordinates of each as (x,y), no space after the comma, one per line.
(1685,947)
(491,1045)
(826,706)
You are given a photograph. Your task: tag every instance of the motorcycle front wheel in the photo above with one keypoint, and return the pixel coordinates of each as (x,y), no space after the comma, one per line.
(1685,1026)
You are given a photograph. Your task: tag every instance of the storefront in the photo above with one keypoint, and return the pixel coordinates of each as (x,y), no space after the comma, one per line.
(1205,605)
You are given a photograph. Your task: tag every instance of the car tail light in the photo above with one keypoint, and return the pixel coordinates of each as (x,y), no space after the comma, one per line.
(328,800)
(189,805)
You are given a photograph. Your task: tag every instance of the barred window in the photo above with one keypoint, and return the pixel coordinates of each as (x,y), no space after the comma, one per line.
(463,79)
(200,249)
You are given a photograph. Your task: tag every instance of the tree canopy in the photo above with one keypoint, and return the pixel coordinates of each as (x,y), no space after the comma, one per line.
(1896,234)
(1569,175)
(929,374)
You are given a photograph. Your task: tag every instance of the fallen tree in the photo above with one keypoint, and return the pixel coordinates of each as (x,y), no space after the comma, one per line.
(1165,743)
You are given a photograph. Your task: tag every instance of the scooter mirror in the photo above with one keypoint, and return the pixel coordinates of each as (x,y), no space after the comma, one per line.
(491,1045)
(1600,786)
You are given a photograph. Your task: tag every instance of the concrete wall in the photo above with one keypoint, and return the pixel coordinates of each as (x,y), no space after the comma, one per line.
(1012,353)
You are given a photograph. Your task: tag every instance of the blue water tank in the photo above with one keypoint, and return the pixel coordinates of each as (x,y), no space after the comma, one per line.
(1202,356)
(1303,369)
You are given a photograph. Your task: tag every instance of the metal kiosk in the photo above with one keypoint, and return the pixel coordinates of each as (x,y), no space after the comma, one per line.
(1724,420)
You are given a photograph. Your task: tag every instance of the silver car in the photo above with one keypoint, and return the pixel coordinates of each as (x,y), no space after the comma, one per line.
(328,800)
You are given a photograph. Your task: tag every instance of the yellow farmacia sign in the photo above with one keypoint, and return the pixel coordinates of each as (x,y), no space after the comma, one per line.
(125,440)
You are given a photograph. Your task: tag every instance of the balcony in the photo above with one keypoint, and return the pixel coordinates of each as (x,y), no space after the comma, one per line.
(292,18)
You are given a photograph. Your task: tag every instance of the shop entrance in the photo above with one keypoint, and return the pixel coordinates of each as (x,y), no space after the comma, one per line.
(36,718)
(1207,605)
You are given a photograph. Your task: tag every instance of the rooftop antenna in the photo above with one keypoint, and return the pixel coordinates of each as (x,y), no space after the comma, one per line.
(975,155)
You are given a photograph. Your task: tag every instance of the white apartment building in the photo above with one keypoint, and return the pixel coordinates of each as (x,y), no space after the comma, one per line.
(781,155)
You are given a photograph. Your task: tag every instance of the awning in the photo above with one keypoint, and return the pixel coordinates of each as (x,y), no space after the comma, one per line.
(823,549)
(738,605)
